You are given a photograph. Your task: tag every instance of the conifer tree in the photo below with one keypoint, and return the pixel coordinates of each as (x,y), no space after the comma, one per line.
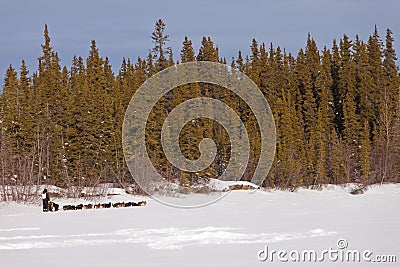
(159,40)
(187,53)
(365,95)
(324,117)
(388,113)
(207,51)
(375,54)
(337,96)
(309,68)
(11,110)
(254,67)
(347,87)
(240,62)
(351,120)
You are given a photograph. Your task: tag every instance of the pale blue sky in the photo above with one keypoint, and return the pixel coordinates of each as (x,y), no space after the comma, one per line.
(122,28)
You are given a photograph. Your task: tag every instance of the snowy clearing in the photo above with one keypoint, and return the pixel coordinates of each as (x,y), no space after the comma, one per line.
(230,232)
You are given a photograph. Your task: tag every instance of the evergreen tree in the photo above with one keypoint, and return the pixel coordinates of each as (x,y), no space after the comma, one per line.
(187,53)
(240,62)
(325,118)
(375,54)
(337,96)
(388,113)
(365,95)
(11,125)
(351,120)
(254,67)
(159,40)
(308,65)
(207,51)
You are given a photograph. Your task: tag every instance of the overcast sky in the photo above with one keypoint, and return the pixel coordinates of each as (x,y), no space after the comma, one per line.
(122,28)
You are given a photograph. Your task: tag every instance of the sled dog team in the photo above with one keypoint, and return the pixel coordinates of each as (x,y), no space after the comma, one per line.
(104,205)
(50,205)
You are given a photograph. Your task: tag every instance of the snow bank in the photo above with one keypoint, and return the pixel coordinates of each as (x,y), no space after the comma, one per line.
(226,185)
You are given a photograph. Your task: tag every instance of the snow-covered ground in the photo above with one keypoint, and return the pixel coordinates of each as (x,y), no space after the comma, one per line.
(234,231)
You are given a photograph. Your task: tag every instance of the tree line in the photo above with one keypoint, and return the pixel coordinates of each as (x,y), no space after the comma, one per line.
(337,112)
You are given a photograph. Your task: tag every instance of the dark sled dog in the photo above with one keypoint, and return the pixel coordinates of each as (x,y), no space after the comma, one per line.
(53,205)
(69,207)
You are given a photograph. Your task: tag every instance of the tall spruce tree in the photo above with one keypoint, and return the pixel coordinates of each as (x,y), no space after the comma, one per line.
(160,50)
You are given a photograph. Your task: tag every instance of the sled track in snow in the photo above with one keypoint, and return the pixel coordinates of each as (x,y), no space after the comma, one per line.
(157,238)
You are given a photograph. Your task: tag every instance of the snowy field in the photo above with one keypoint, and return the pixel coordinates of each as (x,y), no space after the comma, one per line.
(234,231)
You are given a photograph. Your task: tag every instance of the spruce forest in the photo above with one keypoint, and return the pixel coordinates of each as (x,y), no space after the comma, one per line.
(336,109)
